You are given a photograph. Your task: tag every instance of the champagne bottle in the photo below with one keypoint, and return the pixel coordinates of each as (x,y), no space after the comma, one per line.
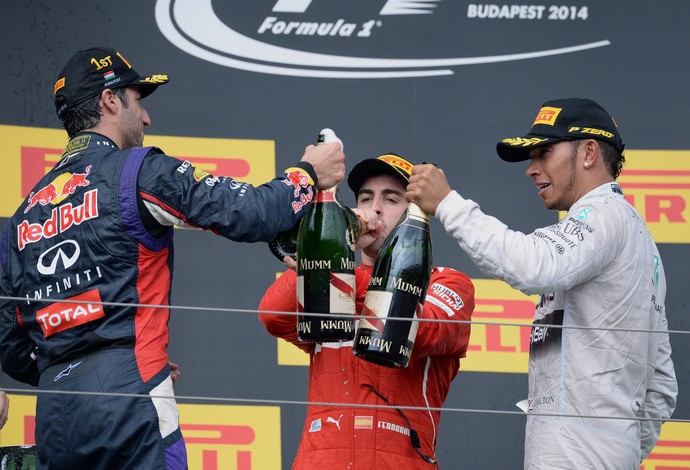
(396,290)
(285,243)
(326,266)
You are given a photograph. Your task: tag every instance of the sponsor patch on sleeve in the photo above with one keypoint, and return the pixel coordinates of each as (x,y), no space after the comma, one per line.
(445,298)
(199,174)
(315,425)
(298,177)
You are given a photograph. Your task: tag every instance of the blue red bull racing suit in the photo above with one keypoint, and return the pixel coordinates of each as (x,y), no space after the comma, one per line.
(89,252)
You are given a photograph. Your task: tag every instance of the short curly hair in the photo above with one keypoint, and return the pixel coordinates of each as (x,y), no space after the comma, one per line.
(613,159)
(88,113)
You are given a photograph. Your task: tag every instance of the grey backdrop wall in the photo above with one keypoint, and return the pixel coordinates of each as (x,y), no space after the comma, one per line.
(494,68)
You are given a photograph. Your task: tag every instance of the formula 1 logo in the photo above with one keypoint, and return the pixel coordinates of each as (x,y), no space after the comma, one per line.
(195,27)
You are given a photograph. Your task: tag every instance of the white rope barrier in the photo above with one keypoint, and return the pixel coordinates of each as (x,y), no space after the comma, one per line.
(261,401)
(181,398)
(335,315)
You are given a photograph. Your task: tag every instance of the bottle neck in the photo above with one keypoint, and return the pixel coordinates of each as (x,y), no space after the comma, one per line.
(327,195)
(416,212)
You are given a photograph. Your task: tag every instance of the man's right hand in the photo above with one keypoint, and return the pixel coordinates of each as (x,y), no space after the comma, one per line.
(328,161)
(428,187)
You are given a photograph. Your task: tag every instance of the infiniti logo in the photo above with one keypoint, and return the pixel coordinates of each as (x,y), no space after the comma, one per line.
(194,27)
(66,252)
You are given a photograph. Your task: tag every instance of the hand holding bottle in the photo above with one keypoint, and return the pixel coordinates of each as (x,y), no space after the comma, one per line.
(327,158)
(326,263)
(428,187)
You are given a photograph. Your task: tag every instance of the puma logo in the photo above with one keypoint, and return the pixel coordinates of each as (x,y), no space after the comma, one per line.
(334,421)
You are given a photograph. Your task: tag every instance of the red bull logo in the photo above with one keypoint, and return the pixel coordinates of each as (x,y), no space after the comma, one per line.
(43,196)
(68,184)
(297,179)
(61,219)
(75,181)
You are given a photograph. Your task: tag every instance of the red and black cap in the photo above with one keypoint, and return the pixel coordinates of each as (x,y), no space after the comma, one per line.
(87,73)
(388,164)
(563,119)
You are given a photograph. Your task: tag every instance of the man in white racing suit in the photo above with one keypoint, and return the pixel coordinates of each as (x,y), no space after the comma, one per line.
(599,347)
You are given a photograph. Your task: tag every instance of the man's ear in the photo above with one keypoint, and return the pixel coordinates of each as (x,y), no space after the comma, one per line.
(592,152)
(109,101)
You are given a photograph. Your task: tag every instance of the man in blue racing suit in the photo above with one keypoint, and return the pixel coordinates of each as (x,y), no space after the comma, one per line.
(90,255)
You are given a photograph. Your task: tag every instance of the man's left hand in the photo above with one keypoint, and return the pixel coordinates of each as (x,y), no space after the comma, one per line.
(174,371)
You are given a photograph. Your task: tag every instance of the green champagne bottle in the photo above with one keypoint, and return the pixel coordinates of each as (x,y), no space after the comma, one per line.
(396,290)
(326,266)
(285,243)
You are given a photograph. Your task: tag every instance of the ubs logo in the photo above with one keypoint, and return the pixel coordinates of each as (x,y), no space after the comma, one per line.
(66,253)
(277,41)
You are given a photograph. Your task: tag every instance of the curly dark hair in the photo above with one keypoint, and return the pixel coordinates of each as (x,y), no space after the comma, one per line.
(88,113)
(613,159)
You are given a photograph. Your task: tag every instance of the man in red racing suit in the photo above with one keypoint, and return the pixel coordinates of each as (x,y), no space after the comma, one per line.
(345,437)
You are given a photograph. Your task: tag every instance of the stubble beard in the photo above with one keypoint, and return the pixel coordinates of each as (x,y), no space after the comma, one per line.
(563,202)
(134,134)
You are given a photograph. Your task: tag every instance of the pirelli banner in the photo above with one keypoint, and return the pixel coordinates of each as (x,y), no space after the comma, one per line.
(31,152)
(225,437)
(656,182)
(218,437)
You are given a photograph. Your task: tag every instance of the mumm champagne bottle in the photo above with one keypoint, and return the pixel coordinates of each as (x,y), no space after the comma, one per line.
(396,290)
(326,266)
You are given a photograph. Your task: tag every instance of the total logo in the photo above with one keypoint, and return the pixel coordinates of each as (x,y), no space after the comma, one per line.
(280,37)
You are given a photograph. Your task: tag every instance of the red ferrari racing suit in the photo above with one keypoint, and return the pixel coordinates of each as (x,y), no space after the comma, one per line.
(336,437)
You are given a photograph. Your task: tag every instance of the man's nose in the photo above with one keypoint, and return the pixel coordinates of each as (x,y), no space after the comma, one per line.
(376,206)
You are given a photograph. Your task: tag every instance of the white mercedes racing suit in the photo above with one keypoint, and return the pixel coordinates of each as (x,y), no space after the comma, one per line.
(597,269)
